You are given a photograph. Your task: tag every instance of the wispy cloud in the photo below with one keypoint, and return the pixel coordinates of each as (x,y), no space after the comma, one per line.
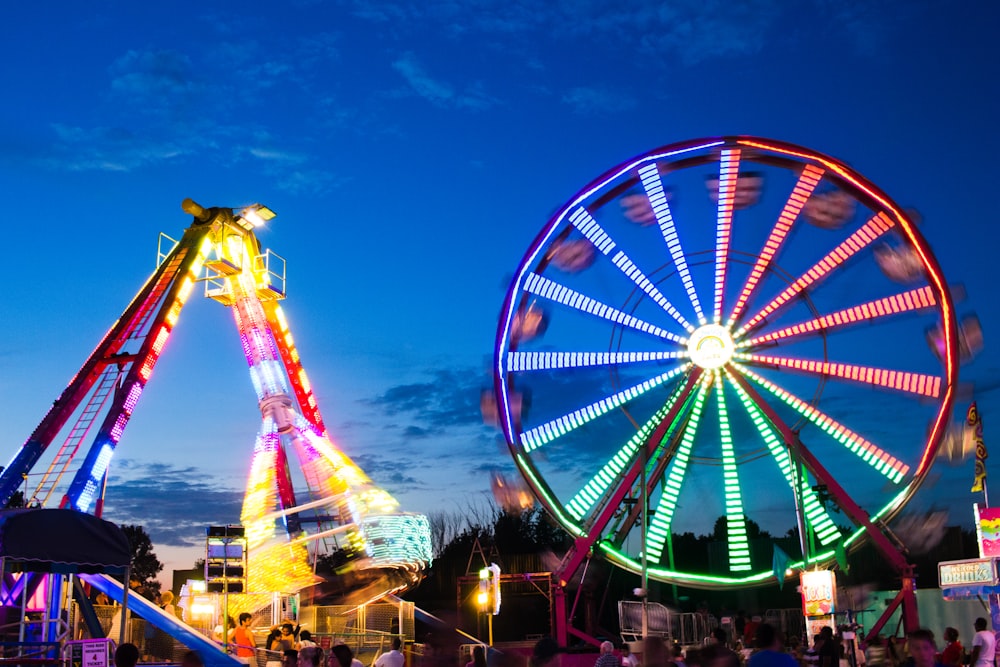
(174,503)
(592,100)
(450,397)
(109,149)
(439,92)
(153,77)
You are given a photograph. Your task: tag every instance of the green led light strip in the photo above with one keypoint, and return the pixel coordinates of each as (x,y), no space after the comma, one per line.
(736,527)
(659,528)
(881,461)
(816,515)
(592,491)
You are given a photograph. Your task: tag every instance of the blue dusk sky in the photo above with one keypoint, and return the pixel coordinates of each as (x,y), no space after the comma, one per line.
(412,151)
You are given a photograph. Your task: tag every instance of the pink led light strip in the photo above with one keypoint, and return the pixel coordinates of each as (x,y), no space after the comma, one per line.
(890,305)
(914,383)
(920,246)
(729,169)
(856,242)
(808,180)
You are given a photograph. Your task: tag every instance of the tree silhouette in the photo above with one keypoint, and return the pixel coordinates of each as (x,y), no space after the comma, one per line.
(145,564)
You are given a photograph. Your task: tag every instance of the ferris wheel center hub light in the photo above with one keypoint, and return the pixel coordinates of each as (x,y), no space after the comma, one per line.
(711,346)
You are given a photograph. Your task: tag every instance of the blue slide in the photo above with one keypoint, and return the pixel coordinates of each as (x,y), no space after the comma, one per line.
(210,652)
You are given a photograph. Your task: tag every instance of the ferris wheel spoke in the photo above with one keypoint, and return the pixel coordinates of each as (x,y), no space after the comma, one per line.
(549,431)
(549,289)
(659,527)
(883,462)
(729,170)
(736,528)
(591,492)
(896,304)
(863,237)
(657,465)
(653,184)
(813,509)
(803,189)
(544,361)
(590,228)
(913,383)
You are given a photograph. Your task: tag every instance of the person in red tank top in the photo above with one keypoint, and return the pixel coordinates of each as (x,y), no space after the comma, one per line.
(243,638)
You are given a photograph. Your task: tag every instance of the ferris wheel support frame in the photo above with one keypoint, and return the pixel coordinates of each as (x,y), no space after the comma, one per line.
(582,546)
(906,598)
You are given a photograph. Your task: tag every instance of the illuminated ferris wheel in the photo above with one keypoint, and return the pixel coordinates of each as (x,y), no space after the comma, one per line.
(719,336)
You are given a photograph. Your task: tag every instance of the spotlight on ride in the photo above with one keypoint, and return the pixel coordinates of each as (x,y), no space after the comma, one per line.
(257,214)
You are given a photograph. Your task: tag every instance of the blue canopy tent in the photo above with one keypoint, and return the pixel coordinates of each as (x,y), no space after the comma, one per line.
(54,541)
(62,542)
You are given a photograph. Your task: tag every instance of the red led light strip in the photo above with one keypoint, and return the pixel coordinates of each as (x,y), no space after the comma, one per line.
(729,169)
(857,241)
(808,180)
(934,274)
(890,305)
(915,383)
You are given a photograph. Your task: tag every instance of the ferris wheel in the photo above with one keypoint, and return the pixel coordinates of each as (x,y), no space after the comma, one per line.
(728,338)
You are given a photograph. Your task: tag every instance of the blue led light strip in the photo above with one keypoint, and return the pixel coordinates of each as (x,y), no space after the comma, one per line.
(736,528)
(590,228)
(729,169)
(653,184)
(551,430)
(543,361)
(549,289)
(659,527)
(814,511)
(585,223)
(592,491)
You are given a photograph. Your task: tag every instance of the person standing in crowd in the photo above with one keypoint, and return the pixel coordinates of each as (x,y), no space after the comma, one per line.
(876,654)
(953,652)
(546,653)
(167,603)
(192,659)
(395,657)
(345,656)
(126,655)
(285,641)
(750,631)
(983,645)
(920,644)
(478,657)
(310,656)
(628,658)
(739,625)
(770,651)
(246,643)
(305,640)
(829,652)
(607,657)
(811,657)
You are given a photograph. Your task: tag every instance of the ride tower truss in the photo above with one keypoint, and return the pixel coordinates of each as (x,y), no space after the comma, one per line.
(347,511)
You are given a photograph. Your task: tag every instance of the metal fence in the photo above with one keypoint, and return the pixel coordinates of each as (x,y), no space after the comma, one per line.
(686,629)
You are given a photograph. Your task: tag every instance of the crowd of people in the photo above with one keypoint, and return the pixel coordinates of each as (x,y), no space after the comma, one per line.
(760,644)
(750,643)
